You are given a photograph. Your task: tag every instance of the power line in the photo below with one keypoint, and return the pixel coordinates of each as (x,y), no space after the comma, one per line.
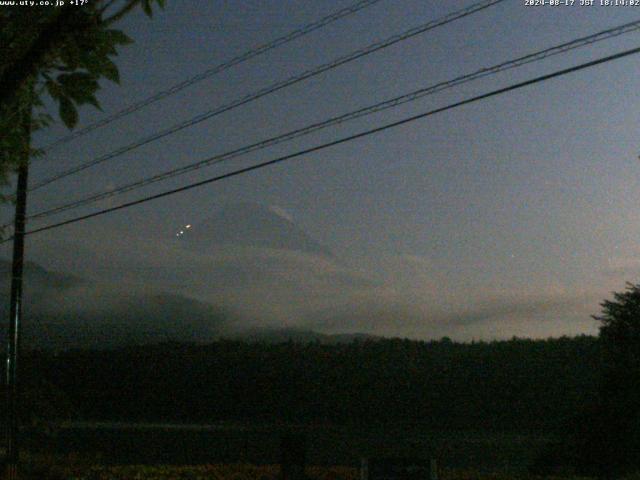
(278,42)
(349,138)
(415,95)
(274,88)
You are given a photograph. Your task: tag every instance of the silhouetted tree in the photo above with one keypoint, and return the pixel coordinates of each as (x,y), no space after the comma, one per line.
(61,53)
(620,335)
(613,446)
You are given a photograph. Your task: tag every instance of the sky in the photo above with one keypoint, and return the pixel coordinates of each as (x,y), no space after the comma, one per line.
(516,215)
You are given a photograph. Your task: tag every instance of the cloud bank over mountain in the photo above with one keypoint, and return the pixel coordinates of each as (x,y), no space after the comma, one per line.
(251,267)
(63,311)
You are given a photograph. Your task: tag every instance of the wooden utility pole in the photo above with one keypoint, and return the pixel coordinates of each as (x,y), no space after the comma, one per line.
(15,309)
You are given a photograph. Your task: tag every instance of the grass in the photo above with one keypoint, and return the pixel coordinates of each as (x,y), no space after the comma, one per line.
(235,452)
(236,472)
(326,445)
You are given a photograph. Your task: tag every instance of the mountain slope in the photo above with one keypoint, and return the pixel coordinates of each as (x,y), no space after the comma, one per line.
(62,311)
(249,225)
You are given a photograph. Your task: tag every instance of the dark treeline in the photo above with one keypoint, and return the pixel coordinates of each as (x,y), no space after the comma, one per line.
(516,385)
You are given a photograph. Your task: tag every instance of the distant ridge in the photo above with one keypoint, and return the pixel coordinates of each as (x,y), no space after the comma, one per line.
(39,275)
(296,335)
(62,311)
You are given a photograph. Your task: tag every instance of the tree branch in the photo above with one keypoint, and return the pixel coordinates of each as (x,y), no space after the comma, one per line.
(15,77)
(106,7)
(24,30)
(121,13)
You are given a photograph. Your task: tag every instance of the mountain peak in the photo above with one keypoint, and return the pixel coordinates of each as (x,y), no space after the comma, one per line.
(250,224)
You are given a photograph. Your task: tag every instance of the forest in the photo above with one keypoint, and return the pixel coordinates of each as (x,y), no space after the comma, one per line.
(546,406)
(518,385)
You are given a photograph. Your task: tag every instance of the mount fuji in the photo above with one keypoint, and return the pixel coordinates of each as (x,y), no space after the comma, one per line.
(250,225)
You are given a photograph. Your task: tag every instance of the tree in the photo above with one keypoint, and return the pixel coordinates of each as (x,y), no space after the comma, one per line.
(614,441)
(620,333)
(61,52)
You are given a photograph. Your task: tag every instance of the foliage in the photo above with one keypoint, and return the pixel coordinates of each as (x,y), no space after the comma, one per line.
(611,443)
(518,385)
(248,472)
(57,52)
(620,333)
(48,466)
(399,388)
(70,468)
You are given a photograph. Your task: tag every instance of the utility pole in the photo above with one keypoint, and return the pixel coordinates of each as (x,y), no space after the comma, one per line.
(15,310)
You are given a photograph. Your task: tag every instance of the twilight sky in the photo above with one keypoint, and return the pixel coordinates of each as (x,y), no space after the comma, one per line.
(516,215)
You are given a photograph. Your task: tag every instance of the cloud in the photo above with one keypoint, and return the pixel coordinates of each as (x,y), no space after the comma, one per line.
(521,308)
(261,282)
(281,212)
(396,295)
(628,266)
(416,261)
(384,312)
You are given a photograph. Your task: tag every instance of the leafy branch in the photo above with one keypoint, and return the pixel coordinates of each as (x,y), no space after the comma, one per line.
(62,53)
